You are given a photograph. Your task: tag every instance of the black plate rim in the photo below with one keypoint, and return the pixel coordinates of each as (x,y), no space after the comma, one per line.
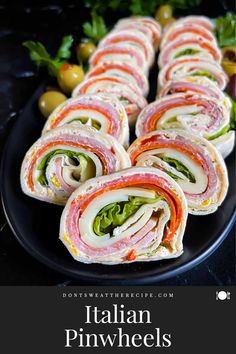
(136,280)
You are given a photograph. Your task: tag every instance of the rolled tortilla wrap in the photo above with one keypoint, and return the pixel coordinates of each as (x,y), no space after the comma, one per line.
(130,73)
(63,158)
(202,21)
(124,53)
(193,162)
(147,22)
(195,47)
(134,38)
(199,85)
(225,143)
(138,27)
(189,66)
(102,111)
(186,31)
(138,214)
(128,95)
(199,114)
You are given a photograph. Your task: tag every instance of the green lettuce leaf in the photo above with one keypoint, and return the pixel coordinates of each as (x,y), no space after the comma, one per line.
(179,167)
(42,180)
(87,165)
(115,214)
(188,51)
(232,123)
(204,73)
(233,112)
(83,120)
(172,175)
(221,132)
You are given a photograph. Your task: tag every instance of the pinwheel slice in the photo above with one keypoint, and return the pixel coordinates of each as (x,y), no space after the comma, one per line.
(137,27)
(186,31)
(138,214)
(190,66)
(201,114)
(192,161)
(63,158)
(225,142)
(130,73)
(102,111)
(197,20)
(196,85)
(94,83)
(128,95)
(124,53)
(194,47)
(134,38)
(147,22)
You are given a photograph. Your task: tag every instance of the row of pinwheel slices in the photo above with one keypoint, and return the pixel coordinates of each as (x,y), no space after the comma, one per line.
(85,136)
(112,94)
(115,213)
(138,214)
(120,64)
(190,69)
(176,132)
(122,214)
(190,84)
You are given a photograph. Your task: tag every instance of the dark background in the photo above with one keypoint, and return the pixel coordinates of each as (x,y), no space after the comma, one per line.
(48,21)
(197,322)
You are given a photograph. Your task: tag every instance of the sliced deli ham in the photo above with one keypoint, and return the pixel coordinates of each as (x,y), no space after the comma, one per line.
(67,156)
(138,214)
(193,162)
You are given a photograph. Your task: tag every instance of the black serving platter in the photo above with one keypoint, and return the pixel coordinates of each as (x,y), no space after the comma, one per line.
(35,224)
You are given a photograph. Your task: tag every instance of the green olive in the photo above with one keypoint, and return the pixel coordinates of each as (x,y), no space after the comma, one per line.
(49,101)
(164,14)
(229,67)
(85,50)
(69,76)
(169,21)
(229,60)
